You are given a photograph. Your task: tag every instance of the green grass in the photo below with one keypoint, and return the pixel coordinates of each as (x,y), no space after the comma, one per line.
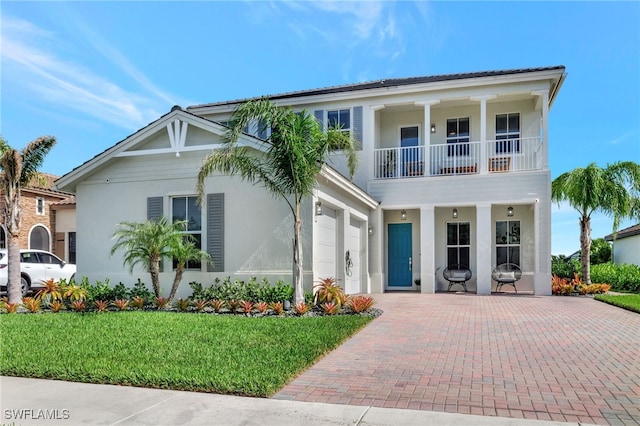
(197,352)
(630,302)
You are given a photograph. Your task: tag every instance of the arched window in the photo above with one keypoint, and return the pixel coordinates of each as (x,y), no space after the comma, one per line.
(39,238)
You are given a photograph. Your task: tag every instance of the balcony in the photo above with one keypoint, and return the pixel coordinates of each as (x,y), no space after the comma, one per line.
(497,156)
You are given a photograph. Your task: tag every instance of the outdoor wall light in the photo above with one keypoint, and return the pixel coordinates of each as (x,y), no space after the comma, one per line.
(510,211)
(433,128)
(370,231)
(454,213)
(318,208)
(403,215)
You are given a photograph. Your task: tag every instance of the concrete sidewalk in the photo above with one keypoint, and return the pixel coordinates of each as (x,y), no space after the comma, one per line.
(30,401)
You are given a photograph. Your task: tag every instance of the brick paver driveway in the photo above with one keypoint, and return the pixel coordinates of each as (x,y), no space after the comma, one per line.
(549,358)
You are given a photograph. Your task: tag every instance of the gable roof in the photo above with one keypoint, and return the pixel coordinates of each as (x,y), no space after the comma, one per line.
(624,233)
(392,82)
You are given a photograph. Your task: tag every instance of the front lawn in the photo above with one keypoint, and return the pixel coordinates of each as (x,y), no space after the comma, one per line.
(630,302)
(196,352)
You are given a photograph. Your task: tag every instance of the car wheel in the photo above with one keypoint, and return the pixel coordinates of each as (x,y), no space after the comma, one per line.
(24,285)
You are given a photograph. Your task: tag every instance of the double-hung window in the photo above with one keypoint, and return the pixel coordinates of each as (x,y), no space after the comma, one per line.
(458,136)
(40,206)
(508,133)
(339,118)
(458,243)
(508,242)
(187,209)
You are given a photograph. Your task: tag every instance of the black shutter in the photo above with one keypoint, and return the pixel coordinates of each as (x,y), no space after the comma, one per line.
(357,126)
(215,232)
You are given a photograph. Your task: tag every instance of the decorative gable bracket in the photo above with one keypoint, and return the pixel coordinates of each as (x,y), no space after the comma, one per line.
(177,135)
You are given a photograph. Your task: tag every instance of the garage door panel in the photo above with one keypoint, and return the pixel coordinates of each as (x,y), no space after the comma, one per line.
(325,244)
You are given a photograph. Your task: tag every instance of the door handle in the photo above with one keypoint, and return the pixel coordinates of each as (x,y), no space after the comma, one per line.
(410,263)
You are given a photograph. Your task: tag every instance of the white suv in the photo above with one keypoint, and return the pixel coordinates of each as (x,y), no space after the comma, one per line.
(36,266)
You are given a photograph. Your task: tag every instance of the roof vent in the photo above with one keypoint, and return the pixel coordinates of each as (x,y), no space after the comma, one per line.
(176,107)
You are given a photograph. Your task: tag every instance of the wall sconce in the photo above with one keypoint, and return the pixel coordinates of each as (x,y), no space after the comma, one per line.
(454,213)
(370,231)
(403,215)
(318,208)
(510,211)
(433,128)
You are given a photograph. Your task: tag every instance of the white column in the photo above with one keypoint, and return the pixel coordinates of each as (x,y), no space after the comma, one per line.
(427,250)
(484,232)
(483,130)
(545,131)
(376,252)
(542,241)
(369,137)
(427,133)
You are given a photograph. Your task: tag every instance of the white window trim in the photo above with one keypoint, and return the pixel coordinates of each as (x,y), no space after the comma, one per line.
(326,117)
(405,126)
(202,223)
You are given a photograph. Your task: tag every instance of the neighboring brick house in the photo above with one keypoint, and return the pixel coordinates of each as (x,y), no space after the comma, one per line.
(40,207)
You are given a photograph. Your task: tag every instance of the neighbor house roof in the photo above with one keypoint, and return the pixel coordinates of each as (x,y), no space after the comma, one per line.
(390,82)
(624,233)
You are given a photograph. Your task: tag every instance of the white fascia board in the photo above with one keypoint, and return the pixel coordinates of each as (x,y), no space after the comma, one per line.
(337,179)
(399,90)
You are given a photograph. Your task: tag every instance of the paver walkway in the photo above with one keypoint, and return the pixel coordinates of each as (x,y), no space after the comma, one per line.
(556,358)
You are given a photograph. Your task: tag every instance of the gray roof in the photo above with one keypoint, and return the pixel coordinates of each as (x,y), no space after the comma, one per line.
(390,82)
(626,232)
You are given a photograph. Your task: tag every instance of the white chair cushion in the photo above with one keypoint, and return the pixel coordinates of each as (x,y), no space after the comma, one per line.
(459,275)
(507,276)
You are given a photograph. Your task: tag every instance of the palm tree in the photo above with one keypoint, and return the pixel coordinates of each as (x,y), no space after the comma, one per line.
(294,153)
(613,191)
(19,168)
(183,251)
(147,243)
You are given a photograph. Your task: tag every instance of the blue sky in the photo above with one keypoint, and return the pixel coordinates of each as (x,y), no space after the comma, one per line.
(91,73)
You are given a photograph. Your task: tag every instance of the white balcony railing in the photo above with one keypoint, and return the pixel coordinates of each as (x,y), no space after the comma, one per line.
(465,158)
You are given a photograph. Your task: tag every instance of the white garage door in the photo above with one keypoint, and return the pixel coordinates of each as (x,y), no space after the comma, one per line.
(355,253)
(324,245)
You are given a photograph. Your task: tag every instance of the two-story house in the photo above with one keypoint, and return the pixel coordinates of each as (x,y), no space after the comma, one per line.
(453,170)
(44,225)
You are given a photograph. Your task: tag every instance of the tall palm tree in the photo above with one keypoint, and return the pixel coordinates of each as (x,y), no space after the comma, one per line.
(147,243)
(613,191)
(183,251)
(295,150)
(19,168)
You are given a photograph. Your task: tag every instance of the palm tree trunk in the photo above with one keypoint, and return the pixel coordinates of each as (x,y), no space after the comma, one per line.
(585,248)
(154,270)
(298,268)
(176,282)
(14,289)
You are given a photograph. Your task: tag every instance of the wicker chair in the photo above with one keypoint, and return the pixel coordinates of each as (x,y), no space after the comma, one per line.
(457,274)
(506,274)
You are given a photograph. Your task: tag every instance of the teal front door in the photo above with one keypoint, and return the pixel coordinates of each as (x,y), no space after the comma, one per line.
(399,249)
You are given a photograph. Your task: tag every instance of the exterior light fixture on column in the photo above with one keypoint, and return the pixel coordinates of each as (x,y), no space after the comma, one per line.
(433,128)
(403,215)
(510,211)
(370,231)
(318,208)
(454,213)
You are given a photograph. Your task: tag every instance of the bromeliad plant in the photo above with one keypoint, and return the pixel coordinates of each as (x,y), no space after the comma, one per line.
(359,304)
(328,290)
(50,292)
(32,304)
(121,304)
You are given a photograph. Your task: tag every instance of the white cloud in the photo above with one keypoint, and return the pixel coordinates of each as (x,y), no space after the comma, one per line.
(30,63)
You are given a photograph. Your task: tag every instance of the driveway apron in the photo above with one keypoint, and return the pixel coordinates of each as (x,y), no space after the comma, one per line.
(570,359)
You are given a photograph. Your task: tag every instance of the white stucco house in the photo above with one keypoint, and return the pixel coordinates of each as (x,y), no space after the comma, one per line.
(453,169)
(625,245)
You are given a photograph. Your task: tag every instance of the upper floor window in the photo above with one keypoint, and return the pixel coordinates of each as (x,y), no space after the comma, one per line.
(458,134)
(340,118)
(187,209)
(39,206)
(507,133)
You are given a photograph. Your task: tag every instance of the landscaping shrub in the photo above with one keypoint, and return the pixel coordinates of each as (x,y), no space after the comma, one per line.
(625,277)
(250,291)
(563,267)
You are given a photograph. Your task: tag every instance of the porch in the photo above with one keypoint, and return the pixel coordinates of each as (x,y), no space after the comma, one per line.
(465,158)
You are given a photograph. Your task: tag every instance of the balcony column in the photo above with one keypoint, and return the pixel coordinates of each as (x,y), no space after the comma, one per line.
(371,137)
(542,103)
(427,133)
(483,130)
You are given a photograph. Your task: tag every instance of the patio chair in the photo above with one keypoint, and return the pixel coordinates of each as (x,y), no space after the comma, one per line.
(457,274)
(506,274)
